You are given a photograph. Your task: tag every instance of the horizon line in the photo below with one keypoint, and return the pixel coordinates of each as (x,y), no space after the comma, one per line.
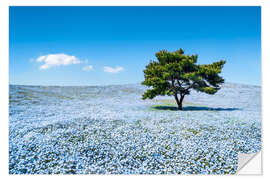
(117,84)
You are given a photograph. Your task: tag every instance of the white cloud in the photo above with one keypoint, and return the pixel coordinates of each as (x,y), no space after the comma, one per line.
(113,70)
(87,68)
(52,60)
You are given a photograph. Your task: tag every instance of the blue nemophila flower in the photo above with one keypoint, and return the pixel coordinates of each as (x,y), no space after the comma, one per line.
(110,130)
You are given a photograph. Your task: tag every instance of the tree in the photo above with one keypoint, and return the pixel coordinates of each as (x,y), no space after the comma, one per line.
(176,73)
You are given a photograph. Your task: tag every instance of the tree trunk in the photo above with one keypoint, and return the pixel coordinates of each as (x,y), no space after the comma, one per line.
(179,102)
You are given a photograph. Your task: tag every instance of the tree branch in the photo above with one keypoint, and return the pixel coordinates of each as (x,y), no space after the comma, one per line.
(188,88)
(178,82)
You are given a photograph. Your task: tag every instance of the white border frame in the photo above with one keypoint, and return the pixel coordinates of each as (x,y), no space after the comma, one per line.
(4,68)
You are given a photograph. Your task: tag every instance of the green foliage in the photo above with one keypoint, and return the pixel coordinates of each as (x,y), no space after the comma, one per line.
(176,73)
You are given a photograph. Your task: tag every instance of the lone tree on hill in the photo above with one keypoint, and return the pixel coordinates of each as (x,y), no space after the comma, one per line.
(176,73)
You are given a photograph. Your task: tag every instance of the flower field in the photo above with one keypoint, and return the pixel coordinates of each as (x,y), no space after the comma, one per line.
(111,130)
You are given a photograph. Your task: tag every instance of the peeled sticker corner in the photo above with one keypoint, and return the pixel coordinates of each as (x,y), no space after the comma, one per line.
(249,164)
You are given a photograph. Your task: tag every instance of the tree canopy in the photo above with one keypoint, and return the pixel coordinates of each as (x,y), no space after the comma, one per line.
(176,73)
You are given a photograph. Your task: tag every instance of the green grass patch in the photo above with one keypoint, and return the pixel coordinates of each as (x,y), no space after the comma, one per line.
(193,131)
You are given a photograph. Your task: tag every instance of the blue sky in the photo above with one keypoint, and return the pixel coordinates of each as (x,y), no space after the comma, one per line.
(112,45)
